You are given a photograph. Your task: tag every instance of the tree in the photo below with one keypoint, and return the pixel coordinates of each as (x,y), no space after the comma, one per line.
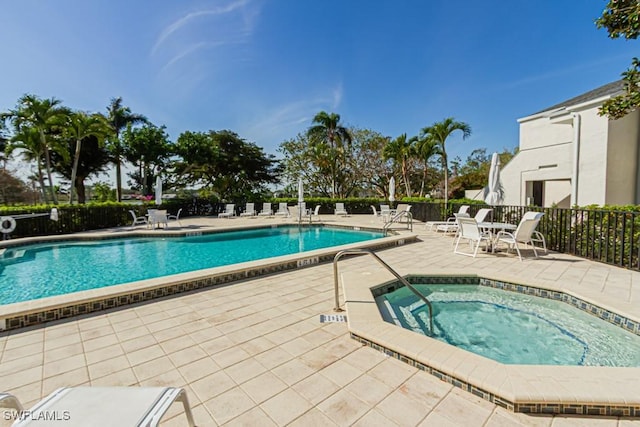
(438,133)
(425,149)
(12,189)
(81,125)
(330,140)
(119,118)
(27,141)
(94,159)
(401,150)
(621,18)
(47,117)
(224,163)
(148,148)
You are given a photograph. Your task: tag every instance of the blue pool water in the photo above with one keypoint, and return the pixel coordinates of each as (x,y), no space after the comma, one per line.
(37,271)
(513,328)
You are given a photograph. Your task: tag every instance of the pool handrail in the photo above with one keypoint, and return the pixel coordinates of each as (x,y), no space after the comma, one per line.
(397,218)
(402,280)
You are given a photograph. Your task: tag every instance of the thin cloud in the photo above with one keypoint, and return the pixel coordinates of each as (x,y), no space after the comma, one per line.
(180,23)
(188,51)
(561,72)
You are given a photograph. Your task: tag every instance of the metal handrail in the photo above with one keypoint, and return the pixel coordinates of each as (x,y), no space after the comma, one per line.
(398,216)
(385,265)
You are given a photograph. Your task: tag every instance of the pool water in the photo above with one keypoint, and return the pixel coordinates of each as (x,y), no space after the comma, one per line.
(512,328)
(37,271)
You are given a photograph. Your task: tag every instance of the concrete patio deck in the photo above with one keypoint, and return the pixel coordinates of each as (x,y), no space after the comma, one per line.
(255,353)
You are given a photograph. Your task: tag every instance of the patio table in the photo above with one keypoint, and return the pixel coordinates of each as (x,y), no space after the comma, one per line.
(494,227)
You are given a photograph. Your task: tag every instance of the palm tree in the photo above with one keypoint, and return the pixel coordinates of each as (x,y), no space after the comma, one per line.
(327,132)
(80,126)
(44,115)
(119,117)
(438,133)
(27,140)
(425,149)
(401,150)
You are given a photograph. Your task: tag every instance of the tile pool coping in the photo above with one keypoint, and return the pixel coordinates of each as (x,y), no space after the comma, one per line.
(543,389)
(33,312)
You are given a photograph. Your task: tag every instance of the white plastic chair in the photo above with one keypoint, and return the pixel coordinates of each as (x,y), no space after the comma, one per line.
(138,219)
(266,210)
(249,210)
(340,210)
(523,234)
(462,210)
(175,217)
(283,210)
(537,236)
(157,217)
(229,211)
(469,230)
(315,213)
(99,407)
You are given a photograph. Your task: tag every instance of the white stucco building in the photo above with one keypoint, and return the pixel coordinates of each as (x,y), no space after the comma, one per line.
(569,155)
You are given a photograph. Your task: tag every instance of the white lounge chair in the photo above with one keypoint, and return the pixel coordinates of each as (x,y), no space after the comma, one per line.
(523,234)
(463,210)
(340,210)
(249,210)
(537,236)
(469,230)
(175,217)
(229,211)
(99,407)
(266,210)
(138,219)
(283,210)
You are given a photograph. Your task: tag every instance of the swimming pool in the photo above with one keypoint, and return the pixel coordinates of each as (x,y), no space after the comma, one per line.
(512,328)
(43,270)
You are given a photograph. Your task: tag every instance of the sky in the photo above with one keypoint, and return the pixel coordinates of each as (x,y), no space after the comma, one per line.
(264,68)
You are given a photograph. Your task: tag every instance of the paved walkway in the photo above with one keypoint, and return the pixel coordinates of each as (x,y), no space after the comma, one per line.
(254,352)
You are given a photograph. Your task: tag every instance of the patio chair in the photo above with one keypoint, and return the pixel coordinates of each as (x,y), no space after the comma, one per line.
(537,236)
(138,219)
(175,217)
(99,407)
(464,209)
(249,210)
(469,230)
(523,234)
(266,210)
(283,210)
(340,210)
(385,212)
(229,211)
(482,214)
(314,213)
(451,225)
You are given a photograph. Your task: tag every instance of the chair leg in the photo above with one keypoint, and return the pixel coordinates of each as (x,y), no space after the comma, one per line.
(518,250)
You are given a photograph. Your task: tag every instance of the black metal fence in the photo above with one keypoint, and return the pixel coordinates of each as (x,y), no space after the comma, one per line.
(608,236)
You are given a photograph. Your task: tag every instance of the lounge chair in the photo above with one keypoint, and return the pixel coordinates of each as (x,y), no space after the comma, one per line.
(340,210)
(283,210)
(99,407)
(469,230)
(464,210)
(537,236)
(249,210)
(175,217)
(385,212)
(266,210)
(229,211)
(138,219)
(523,234)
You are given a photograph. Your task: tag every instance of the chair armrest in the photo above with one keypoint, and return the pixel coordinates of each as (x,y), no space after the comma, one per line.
(10,401)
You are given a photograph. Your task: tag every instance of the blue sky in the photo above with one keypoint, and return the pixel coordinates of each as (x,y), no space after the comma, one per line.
(264,68)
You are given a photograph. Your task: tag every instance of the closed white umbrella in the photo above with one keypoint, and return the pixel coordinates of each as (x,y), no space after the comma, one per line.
(300,198)
(158,190)
(493,191)
(392,189)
